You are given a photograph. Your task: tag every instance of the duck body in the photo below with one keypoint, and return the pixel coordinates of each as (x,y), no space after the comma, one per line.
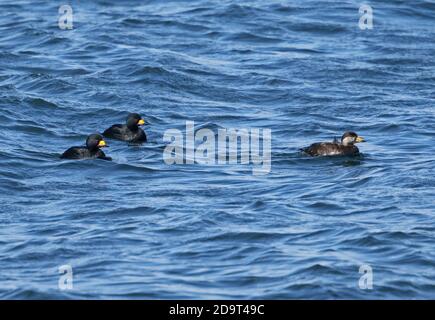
(92,150)
(75,153)
(130,132)
(123,133)
(330,149)
(346,147)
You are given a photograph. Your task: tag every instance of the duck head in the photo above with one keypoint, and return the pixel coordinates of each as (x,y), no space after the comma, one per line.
(134,120)
(95,142)
(350,138)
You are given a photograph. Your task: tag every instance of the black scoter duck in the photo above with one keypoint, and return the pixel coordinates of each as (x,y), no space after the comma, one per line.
(92,150)
(129,131)
(346,147)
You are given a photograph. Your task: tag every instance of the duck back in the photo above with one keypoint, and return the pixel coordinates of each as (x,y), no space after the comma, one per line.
(123,133)
(75,153)
(330,149)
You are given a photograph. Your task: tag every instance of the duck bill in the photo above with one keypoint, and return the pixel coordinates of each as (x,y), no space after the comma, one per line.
(102,144)
(141,122)
(360,139)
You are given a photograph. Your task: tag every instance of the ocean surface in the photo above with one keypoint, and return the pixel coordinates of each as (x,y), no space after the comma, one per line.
(137,227)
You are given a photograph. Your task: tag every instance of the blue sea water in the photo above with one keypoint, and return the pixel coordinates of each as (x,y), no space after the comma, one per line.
(139,228)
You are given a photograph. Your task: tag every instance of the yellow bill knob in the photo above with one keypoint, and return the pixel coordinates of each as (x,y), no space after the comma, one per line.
(360,139)
(102,144)
(141,122)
